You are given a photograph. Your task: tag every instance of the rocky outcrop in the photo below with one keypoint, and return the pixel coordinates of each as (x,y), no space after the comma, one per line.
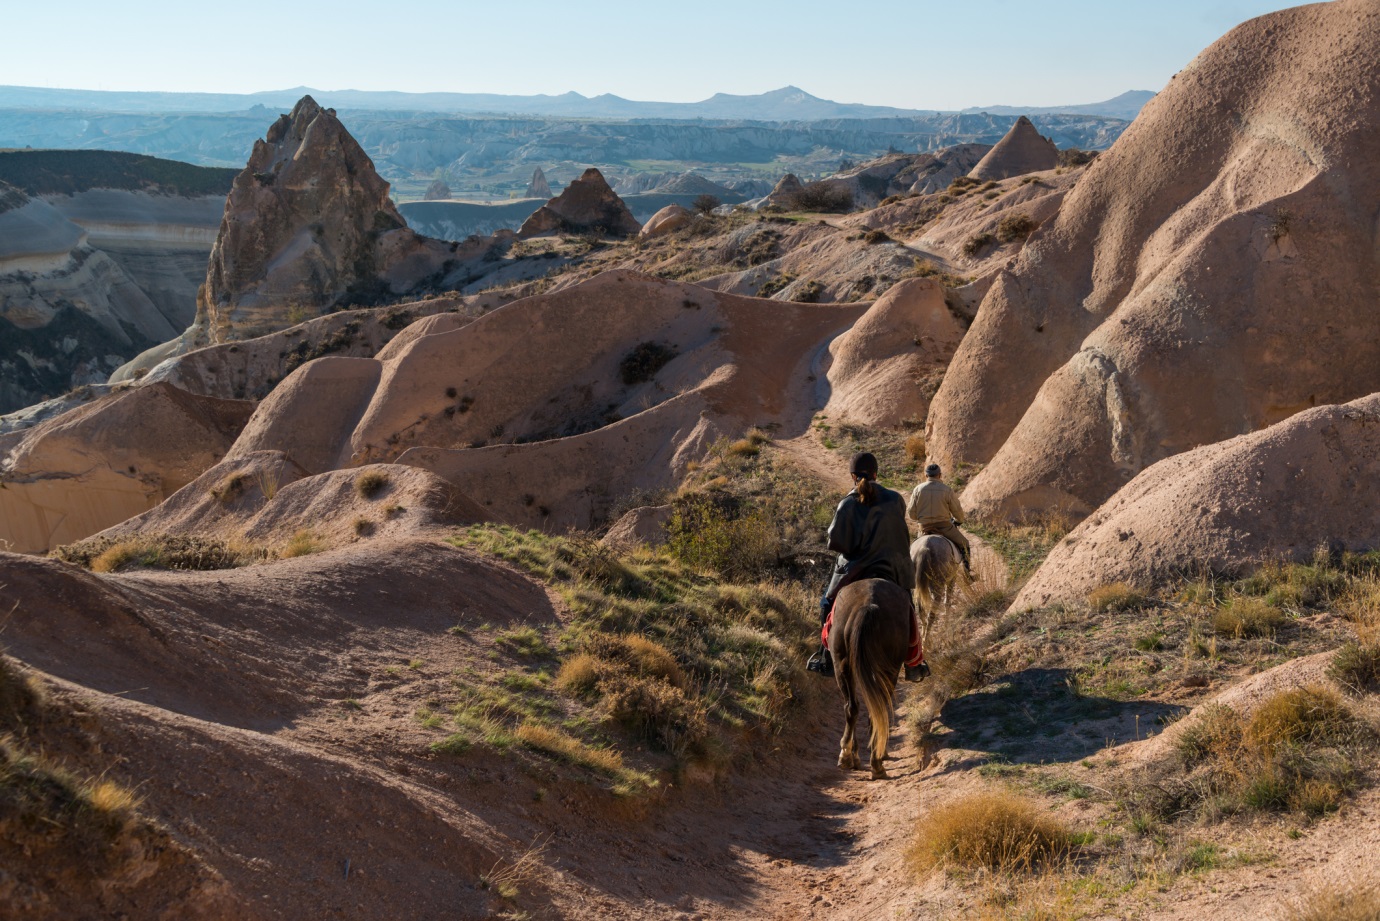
(97,465)
(437,191)
(69,314)
(538,186)
(309,226)
(668,219)
(886,368)
(1280,493)
(1205,278)
(587,205)
(1022,151)
(783,195)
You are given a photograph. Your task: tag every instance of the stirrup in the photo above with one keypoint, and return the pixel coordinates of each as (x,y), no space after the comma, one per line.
(918,672)
(821,663)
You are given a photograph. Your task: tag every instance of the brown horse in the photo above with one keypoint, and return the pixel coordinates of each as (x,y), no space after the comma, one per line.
(869,641)
(937,565)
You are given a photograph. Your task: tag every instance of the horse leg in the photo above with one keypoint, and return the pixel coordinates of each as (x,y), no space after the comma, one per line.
(848,745)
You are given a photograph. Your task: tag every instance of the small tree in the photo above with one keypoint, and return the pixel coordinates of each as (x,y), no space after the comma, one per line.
(706,203)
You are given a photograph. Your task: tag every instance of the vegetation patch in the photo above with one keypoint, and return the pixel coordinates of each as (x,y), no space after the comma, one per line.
(370,483)
(1015,227)
(159,551)
(999,831)
(658,651)
(644,361)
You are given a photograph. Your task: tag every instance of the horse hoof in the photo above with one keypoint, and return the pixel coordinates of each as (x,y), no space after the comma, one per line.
(879,774)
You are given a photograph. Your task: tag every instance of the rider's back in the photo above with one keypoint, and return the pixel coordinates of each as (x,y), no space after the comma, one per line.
(872,537)
(934,503)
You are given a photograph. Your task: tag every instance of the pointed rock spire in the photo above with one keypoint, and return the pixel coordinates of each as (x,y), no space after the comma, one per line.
(1022,151)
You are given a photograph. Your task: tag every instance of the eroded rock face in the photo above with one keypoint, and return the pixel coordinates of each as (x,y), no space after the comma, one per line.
(587,204)
(787,188)
(1209,276)
(309,226)
(1023,150)
(95,466)
(1278,493)
(889,364)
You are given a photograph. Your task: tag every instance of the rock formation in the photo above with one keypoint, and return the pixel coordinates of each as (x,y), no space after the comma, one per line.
(787,188)
(538,187)
(1279,493)
(586,205)
(437,191)
(118,456)
(672,217)
(91,276)
(1207,277)
(309,226)
(1022,151)
(886,368)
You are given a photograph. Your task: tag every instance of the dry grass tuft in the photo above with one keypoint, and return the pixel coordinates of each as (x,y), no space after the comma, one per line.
(557,744)
(302,543)
(915,447)
(1000,831)
(1297,751)
(229,488)
(1354,901)
(1248,616)
(370,483)
(159,551)
(1356,666)
(364,527)
(1115,598)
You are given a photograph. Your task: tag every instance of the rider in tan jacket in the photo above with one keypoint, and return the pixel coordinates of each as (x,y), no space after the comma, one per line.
(935,507)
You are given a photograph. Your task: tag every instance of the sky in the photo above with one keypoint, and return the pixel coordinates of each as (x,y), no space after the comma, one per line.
(918,54)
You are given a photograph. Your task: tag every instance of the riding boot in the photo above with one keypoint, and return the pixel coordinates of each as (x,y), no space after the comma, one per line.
(918,672)
(821,662)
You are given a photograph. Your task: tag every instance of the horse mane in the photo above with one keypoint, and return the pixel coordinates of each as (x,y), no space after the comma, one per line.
(867,490)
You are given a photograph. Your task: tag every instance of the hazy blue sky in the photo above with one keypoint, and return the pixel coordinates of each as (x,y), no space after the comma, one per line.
(917,54)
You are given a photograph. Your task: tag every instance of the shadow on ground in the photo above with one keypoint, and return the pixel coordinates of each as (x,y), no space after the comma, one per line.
(1037,715)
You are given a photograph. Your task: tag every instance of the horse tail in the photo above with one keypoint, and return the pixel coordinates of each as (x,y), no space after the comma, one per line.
(875,676)
(923,559)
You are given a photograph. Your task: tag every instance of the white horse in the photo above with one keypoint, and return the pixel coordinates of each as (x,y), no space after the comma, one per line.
(937,565)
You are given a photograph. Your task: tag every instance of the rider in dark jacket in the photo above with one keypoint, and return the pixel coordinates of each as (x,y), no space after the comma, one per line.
(869,534)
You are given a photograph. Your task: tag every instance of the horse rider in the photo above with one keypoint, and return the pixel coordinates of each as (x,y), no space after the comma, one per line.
(934,506)
(869,534)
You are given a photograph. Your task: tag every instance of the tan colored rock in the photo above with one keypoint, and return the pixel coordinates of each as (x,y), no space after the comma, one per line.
(1023,150)
(309,225)
(1190,288)
(1279,493)
(889,364)
(645,526)
(311,415)
(97,465)
(668,219)
(586,205)
(787,188)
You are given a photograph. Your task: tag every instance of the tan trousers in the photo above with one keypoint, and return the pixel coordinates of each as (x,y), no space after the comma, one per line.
(952,533)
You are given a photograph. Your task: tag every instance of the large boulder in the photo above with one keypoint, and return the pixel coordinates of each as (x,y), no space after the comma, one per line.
(1212,274)
(586,205)
(783,196)
(309,226)
(1023,150)
(1279,493)
(668,219)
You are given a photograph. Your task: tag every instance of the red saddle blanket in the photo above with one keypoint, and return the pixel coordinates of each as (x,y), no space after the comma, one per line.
(914,656)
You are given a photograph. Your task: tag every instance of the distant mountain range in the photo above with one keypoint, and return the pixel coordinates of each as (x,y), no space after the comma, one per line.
(786,104)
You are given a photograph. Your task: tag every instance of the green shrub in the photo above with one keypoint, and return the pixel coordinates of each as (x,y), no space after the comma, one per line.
(644,361)
(1015,227)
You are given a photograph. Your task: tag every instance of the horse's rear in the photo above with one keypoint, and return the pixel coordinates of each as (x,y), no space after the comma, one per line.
(869,641)
(937,564)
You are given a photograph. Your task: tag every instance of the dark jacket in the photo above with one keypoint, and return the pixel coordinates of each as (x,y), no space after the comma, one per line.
(872,540)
